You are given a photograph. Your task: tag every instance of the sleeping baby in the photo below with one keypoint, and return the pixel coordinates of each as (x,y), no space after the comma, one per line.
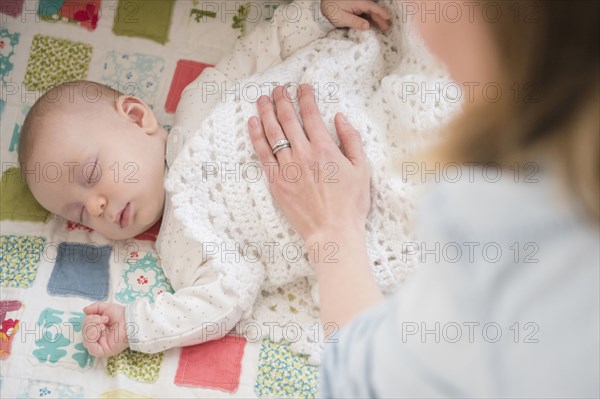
(223,242)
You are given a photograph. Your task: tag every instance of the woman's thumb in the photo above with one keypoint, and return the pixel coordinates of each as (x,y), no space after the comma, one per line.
(350,140)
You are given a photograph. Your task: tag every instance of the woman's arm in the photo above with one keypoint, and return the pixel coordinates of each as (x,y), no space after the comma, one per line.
(346,284)
(328,210)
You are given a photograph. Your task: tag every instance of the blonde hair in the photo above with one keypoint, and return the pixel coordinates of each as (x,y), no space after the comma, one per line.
(554,58)
(76,97)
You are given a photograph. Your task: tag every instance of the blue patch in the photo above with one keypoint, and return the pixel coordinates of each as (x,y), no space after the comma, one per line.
(80,270)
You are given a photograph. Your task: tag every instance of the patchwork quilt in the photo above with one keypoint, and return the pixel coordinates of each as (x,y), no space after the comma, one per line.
(51,268)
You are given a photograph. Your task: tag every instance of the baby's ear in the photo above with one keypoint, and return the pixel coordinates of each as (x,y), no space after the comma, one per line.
(136,111)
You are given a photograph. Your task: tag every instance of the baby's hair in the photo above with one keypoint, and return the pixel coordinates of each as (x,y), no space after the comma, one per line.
(76,96)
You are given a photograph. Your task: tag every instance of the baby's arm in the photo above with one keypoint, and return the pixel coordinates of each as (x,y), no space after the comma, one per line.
(104,330)
(190,316)
(267,45)
(292,27)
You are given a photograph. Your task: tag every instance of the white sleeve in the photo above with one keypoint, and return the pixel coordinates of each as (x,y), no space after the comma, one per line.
(192,315)
(292,27)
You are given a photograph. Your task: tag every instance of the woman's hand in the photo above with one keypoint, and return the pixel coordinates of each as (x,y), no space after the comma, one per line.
(345,14)
(324,193)
(318,187)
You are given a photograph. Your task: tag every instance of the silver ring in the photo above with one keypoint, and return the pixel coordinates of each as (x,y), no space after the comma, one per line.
(281,144)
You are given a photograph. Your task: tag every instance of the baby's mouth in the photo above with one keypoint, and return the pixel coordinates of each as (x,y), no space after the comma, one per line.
(125,216)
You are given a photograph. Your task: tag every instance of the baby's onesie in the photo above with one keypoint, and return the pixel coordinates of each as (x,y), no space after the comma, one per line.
(202,309)
(377,79)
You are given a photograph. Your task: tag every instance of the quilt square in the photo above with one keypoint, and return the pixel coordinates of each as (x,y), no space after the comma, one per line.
(185,73)
(8,43)
(19,260)
(8,326)
(134,74)
(122,394)
(72,226)
(141,18)
(80,270)
(16,201)
(142,278)
(11,7)
(60,340)
(213,364)
(282,373)
(85,13)
(138,366)
(54,61)
(47,389)
(16,133)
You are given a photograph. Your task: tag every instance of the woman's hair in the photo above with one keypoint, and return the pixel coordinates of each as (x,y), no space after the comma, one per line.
(550,95)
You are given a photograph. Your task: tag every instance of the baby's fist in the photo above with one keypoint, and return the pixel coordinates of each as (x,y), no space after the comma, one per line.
(345,13)
(104,332)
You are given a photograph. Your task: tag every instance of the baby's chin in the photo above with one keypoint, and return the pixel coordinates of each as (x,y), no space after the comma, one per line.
(130,232)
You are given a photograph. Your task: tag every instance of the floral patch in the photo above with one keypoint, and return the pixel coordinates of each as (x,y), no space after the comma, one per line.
(19,259)
(84,13)
(72,226)
(8,327)
(134,74)
(122,394)
(11,7)
(136,365)
(282,373)
(8,43)
(61,340)
(142,278)
(54,61)
(49,389)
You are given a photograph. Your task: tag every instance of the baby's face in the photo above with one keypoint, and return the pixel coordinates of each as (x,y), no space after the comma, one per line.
(106,173)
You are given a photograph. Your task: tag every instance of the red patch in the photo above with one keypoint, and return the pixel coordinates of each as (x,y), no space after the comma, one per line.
(213,364)
(185,73)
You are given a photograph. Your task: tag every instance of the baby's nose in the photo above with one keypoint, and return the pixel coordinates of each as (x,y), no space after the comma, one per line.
(96,205)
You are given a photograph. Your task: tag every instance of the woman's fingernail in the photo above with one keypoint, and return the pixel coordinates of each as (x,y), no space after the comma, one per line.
(263,100)
(343,118)
(254,122)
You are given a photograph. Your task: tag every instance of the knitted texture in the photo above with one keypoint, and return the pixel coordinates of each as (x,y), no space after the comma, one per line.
(363,74)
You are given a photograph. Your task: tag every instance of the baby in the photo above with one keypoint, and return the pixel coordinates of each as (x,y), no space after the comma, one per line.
(114,158)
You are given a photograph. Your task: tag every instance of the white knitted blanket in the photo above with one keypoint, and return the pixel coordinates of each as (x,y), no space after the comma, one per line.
(369,76)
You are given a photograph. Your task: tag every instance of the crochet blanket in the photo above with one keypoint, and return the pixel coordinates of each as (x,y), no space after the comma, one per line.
(378,80)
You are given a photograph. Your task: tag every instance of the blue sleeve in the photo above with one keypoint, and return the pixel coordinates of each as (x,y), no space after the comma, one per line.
(477,326)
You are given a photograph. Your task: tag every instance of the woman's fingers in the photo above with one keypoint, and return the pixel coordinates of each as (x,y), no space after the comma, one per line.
(286,115)
(351,142)
(262,147)
(311,117)
(272,128)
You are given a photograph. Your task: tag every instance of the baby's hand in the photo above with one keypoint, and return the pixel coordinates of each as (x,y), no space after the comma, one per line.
(344,13)
(104,332)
